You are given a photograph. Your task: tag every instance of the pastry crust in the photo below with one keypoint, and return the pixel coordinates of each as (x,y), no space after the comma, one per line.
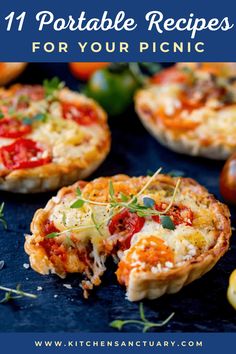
(76,150)
(206,126)
(10,71)
(206,235)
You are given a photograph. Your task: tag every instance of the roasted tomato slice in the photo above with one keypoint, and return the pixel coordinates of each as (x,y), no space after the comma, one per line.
(13,128)
(81,114)
(49,227)
(126,224)
(149,251)
(179,214)
(23,153)
(175,121)
(170,75)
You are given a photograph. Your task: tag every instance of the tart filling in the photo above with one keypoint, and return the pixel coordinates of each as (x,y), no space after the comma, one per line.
(151,226)
(191,107)
(49,132)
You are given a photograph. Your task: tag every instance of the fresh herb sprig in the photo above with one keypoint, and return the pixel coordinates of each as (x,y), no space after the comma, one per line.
(19,294)
(144,322)
(2,217)
(146,209)
(51,87)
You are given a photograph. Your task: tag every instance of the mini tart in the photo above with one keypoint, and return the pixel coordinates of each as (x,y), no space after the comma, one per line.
(191,108)
(50,136)
(10,71)
(153,259)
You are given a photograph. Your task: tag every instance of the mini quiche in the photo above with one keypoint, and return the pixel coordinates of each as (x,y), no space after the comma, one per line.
(162,232)
(9,71)
(49,137)
(191,108)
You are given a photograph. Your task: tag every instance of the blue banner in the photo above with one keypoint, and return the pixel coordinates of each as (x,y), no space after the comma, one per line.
(29,343)
(153,30)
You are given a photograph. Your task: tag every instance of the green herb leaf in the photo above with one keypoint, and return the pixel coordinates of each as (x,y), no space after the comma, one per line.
(64,218)
(118,324)
(124,197)
(97,226)
(148,202)
(40,117)
(1,115)
(77,204)
(166,222)
(78,192)
(19,293)
(52,86)
(111,190)
(27,121)
(68,242)
(53,235)
(2,218)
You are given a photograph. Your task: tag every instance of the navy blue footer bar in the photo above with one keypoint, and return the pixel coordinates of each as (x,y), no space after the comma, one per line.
(206,343)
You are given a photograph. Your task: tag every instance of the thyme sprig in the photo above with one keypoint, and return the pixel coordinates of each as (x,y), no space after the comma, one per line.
(2,217)
(123,202)
(144,322)
(19,294)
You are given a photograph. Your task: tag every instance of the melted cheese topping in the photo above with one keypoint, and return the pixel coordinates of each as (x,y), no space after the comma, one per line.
(186,242)
(65,139)
(215,121)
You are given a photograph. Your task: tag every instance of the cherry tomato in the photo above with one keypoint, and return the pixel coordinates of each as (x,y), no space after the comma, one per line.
(13,128)
(84,71)
(83,115)
(113,90)
(126,224)
(170,75)
(228,180)
(179,214)
(23,153)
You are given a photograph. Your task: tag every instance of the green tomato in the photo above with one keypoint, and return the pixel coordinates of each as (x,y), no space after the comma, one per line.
(113,90)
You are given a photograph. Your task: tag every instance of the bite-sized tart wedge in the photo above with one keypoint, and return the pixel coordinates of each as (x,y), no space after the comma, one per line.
(163,233)
(10,71)
(191,108)
(50,136)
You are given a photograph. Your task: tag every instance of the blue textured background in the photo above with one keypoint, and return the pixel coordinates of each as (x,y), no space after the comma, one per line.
(200,307)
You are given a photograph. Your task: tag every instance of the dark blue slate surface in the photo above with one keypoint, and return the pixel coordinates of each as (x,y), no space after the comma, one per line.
(201,306)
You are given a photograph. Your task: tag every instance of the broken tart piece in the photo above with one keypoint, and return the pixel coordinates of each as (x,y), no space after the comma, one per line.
(165,232)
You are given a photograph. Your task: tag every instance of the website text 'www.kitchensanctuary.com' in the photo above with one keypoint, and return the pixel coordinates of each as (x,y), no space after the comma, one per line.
(118,343)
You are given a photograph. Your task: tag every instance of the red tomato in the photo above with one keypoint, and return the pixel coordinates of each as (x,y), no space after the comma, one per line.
(13,128)
(179,214)
(23,153)
(126,224)
(170,75)
(228,180)
(49,227)
(84,71)
(81,114)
